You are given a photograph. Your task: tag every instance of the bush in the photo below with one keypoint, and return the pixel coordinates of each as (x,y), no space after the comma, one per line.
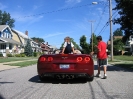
(23,55)
(1,55)
(9,55)
(17,55)
(35,54)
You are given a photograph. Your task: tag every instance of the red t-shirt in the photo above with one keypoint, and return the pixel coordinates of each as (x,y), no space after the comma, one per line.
(102,54)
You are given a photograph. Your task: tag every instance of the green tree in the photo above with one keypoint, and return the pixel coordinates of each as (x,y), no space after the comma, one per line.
(5,19)
(28,49)
(37,39)
(118,32)
(125,9)
(84,45)
(118,45)
(94,42)
(76,46)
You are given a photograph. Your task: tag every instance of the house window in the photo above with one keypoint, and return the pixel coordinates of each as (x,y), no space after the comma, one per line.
(3,46)
(10,46)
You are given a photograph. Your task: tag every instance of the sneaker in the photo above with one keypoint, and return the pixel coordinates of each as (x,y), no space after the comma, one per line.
(98,75)
(105,76)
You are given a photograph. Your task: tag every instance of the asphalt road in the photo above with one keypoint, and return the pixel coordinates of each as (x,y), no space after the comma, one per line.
(23,83)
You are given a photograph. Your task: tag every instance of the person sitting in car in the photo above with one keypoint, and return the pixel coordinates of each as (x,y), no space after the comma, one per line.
(68,46)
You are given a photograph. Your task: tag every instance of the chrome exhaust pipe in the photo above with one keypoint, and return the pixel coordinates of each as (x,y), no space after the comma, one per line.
(72,76)
(68,77)
(58,77)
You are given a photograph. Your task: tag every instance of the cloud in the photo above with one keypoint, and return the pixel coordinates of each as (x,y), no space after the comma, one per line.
(35,19)
(72,1)
(2,7)
(103,0)
(52,35)
(35,7)
(25,18)
(62,20)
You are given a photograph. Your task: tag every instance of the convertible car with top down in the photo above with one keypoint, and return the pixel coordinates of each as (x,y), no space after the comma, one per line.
(65,66)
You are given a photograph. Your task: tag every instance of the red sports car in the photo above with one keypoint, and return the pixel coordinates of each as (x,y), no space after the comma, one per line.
(65,66)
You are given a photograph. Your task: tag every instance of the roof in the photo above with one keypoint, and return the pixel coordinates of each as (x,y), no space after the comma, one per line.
(20,33)
(4,40)
(118,37)
(2,27)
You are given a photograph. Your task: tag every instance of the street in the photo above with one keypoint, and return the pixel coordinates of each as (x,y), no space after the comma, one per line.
(23,83)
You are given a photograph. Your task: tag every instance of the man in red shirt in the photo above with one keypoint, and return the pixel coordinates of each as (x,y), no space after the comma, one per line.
(101,56)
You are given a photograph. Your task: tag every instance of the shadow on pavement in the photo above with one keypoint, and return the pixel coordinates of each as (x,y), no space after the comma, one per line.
(35,79)
(1,97)
(5,82)
(114,68)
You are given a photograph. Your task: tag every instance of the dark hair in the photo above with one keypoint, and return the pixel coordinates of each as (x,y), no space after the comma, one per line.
(99,38)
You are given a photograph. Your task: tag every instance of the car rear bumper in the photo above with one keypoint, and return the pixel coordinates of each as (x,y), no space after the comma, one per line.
(66,75)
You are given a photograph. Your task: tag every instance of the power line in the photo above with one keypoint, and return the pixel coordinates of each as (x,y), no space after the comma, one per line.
(100,18)
(107,23)
(55,11)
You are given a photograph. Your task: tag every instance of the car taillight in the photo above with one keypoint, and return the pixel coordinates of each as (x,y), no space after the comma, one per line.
(87,59)
(42,59)
(79,59)
(50,59)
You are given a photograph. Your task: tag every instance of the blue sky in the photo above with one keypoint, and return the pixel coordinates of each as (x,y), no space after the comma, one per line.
(53,27)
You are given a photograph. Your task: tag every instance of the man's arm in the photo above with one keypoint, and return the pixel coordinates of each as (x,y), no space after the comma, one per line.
(98,48)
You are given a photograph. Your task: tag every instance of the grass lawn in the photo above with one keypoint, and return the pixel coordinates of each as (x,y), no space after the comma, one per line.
(113,61)
(124,58)
(23,64)
(10,59)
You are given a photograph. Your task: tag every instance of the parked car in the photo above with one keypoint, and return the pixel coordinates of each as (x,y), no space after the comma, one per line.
(65,66)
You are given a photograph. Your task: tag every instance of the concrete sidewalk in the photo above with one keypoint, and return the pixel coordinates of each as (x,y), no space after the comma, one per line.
(7,67)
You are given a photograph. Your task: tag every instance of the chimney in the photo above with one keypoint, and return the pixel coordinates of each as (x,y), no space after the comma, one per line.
(26,33)
(46,43)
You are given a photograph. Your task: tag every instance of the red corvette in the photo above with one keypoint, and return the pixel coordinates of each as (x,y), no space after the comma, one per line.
(65,66)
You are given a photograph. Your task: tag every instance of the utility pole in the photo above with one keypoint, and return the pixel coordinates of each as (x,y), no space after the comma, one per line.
(92,34)
(110,19)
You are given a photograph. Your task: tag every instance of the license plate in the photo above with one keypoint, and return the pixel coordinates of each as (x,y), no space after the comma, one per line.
(63,66)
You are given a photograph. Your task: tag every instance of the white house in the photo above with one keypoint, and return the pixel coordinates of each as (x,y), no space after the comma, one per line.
(129,44)
(7,43)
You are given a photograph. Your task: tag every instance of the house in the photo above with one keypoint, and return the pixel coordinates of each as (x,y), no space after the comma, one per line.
(117,37)
(114,38)
(47,49)
(7,43)
(129,44)
(13,41)
(23,37)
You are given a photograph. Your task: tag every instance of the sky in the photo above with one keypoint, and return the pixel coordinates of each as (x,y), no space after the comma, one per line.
(53,20)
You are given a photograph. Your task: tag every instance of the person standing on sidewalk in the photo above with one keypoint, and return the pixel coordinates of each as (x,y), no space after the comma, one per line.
(101,56)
